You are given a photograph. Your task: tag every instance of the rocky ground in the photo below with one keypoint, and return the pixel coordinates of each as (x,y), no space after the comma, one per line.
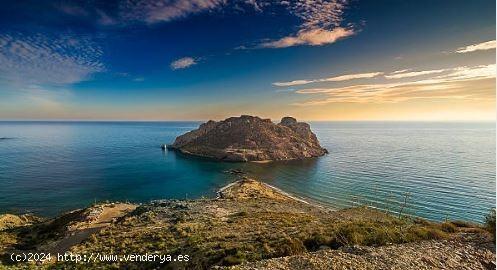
(462,251)
(250,226)
(250,138)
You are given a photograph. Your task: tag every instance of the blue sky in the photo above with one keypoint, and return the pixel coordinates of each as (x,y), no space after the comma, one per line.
(210,59)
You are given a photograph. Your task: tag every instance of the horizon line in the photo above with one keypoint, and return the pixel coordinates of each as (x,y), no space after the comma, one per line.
(300,120)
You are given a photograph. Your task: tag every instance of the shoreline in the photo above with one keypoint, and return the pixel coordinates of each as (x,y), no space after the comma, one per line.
(278,190)
(217,196)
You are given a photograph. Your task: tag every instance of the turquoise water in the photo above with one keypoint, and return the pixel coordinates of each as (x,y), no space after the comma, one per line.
(446,169)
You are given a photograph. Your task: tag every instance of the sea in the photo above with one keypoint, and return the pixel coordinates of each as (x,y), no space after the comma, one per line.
(434,170)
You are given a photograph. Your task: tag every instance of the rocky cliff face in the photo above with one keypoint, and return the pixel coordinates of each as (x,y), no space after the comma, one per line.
(250,138)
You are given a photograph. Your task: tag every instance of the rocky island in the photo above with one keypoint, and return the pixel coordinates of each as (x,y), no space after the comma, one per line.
(250,138)
(250,225)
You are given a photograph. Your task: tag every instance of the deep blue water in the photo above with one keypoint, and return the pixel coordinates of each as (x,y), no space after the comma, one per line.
(447,169)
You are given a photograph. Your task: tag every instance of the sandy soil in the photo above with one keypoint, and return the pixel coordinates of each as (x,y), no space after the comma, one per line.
(99,217)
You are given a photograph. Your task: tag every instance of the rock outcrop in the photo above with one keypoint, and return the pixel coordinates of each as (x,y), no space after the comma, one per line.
(250,138)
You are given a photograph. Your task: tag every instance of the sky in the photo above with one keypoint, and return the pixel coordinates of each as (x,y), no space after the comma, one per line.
(211,59)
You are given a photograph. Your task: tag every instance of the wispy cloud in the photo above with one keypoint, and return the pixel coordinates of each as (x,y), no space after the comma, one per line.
(89,11)
(457,84)
(74,10)
(312,37)
(399,74)
(47,60)
(345,77)
(471,73)
(351,77)
(318,14)
(293,83)
(104,19)
(139,11)
(153,11)
(321,21)
(320,26)
(182,63)
(478,47)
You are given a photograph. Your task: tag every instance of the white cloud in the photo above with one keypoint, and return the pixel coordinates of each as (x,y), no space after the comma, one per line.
(471,73)
(257,5)
(47,60)
(352,76)
(345,77)
(313,37)
(293,83)
(184,62)
(320,24)
(320,20)
(404,74)
(457,84)
(319,14)
(478,47)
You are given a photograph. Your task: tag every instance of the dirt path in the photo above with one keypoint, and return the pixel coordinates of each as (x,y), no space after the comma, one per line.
(80,231)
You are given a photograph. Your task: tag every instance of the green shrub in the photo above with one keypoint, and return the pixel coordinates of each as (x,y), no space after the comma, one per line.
(448,227)
(463,224)
(317,240)
(424,233)
(378,233)
(236,257)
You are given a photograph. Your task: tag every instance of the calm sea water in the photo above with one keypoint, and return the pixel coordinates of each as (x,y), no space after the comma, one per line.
(444,169)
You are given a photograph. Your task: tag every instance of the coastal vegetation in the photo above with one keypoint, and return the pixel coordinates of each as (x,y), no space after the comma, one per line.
(248,222)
